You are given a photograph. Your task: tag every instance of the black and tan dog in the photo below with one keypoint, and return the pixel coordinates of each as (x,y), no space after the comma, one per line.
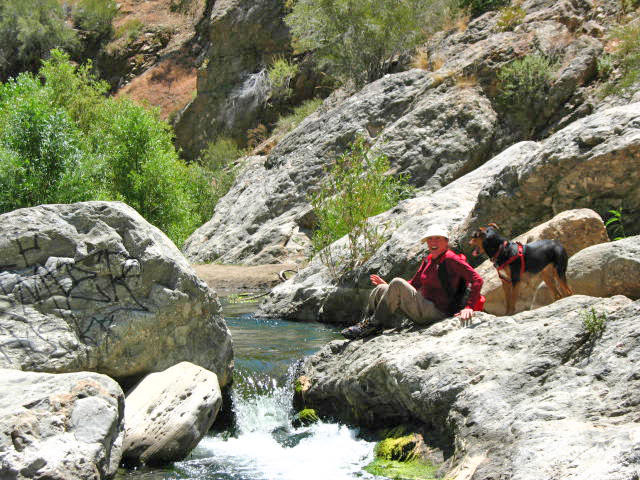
(513,260)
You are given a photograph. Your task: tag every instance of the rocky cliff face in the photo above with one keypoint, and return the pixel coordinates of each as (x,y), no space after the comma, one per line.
(436,125)
(531,396)
(244,36)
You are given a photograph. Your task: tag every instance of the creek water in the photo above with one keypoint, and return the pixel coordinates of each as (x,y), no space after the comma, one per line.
(262,443)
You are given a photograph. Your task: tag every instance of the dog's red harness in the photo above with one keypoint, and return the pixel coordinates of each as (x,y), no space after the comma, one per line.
(519,255)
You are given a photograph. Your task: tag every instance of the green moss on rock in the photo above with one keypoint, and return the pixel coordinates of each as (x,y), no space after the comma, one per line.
(400,449)
(305,417)
(413,470)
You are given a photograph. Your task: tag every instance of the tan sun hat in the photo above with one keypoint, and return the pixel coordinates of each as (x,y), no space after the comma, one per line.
(435,231)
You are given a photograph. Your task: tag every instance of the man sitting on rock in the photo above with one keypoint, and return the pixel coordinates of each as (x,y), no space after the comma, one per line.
(436,291)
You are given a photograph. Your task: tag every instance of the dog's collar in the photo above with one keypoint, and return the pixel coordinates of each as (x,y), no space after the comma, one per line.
(502,246)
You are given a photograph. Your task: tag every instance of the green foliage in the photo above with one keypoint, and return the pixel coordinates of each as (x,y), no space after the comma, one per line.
(393,469)
(614,224)
(523,86)
(217,173)
(605,66)
(356,39)
(396,448)
(594,323)
(510,17)
(626,58)
(64,141)
(95,17)
(28,30)
(130,30)
(478,7)
(627,6)
(288,122)
(355,189)
(42,155)
(280,75)
(308,416)
(220,154)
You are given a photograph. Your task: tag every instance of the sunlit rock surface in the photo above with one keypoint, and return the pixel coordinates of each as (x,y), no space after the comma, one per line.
(94,286)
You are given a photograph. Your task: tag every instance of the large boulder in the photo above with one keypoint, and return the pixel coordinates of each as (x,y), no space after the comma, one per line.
(168,413)
(94,286)
(59,426)
(592,163)
(532,396)
(574,229)
(602,271)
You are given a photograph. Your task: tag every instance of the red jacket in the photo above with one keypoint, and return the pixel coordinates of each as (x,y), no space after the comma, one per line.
(426,279)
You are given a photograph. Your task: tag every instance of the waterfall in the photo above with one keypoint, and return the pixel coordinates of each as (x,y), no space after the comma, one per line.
(263,444)
(266,446)
(246,98)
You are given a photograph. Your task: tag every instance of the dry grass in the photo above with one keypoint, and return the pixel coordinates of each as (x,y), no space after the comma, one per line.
(169,85)
(436,63)
(466,81)
(458,22)
(420,59)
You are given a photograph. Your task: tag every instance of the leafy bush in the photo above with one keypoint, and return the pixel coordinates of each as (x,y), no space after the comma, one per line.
(280,75)
(356,40)
(95,17)
(288,122)
(28,30)
(355,189)
(63,141)
(217,173)
(626,57)
(42,155)
(478,7)
(510,17)
(523,86)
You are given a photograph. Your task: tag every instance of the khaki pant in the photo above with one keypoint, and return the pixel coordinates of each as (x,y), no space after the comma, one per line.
(386,299)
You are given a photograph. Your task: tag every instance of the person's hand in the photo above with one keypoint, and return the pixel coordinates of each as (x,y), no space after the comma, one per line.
(465,315)
(376,280)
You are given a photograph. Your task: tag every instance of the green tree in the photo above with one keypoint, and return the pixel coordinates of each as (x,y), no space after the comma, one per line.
(63,140)
(356,188)
(29,29)
(356,39)
(95,18)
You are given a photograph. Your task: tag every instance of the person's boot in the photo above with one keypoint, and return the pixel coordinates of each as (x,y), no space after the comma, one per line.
(364,328)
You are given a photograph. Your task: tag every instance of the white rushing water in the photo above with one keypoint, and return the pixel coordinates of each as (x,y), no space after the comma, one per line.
(266,446)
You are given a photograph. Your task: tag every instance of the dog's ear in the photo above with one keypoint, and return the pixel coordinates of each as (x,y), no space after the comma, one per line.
(494,226)
(480,233)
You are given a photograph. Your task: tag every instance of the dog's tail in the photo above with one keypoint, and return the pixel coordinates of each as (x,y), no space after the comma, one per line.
(560,262)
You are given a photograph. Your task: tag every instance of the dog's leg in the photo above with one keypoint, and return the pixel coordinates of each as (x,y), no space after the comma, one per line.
(507,289)
(564,286)
(549,275)
(515,289)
